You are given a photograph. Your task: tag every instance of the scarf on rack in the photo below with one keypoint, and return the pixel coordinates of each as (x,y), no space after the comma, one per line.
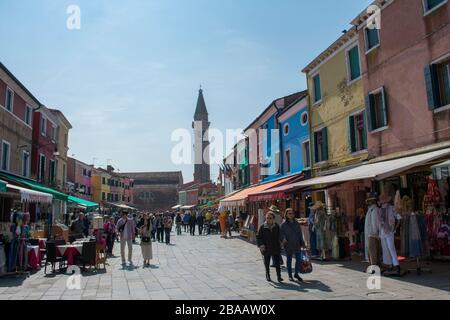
(387,219)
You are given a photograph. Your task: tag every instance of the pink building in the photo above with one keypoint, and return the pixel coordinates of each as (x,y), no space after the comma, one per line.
(79,179)
(406,74)
(128,190)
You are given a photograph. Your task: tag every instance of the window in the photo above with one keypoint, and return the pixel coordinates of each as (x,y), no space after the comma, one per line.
(286,129)
(6,155)
(28,115)
(84,172)
(54,133)
(43,126)
(89,191)
(354,68)
(103,196)
(89,173)
(306,155)
(42,161)
(437,78)
(372,39)
(287,161)
(431,5)
(9,102)
(123,198)
(317,89)
(103,180)
(52,171)
(357,133)
(376,110)
(320,145)
(117,197)
(304,118)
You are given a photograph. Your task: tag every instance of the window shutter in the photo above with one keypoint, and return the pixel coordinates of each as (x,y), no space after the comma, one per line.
(313,147)
(351,134)
(364,130)
(385,109)
(368,112)
(447,84)
(432,87)
(324,144)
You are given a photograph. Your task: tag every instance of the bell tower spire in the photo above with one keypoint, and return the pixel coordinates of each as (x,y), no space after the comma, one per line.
(201,125)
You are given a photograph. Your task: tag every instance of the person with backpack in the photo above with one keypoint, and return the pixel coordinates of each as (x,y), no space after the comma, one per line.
(178,222)
(292,238)
(126,227)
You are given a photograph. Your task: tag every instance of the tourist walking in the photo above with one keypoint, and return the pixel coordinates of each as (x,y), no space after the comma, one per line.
(146,242)
(230,223)
(126,228)
(186,220)
(292,238)
(192,223)
(268,240)
(278,219)
(168,223)
(110,229)
(200,223)
(178,222)
(159,227)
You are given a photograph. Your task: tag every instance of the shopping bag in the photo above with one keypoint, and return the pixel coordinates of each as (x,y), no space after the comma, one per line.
(306,265)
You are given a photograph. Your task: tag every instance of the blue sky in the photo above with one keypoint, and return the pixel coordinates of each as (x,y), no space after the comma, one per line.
(130,75)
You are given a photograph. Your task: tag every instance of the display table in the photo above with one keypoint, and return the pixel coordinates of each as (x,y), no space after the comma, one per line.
(42,242)
(69,251)
(34,257)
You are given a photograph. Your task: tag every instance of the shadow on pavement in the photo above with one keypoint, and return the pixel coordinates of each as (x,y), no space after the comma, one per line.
(304,286)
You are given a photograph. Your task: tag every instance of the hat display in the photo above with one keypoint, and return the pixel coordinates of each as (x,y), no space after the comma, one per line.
(372,196)
(385,198)
(319,204)
(274,208)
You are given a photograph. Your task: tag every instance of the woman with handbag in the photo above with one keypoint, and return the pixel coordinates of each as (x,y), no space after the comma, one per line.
(292,239)
(146,241)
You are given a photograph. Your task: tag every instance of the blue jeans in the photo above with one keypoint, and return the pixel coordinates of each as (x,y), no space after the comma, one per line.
(298,261)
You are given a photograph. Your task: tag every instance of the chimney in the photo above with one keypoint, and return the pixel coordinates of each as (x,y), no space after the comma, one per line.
(110,168)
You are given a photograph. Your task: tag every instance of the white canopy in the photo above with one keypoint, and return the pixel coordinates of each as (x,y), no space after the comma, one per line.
(378,170)
(176,207)
(443,164)
(187,207)
(28,195)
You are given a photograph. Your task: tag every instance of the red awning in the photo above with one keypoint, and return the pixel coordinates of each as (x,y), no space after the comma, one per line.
(276,192)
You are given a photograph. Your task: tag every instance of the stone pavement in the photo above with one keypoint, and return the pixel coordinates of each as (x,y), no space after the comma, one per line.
(209,267)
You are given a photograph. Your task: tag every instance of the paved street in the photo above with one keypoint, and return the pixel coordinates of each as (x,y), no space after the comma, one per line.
(209,267)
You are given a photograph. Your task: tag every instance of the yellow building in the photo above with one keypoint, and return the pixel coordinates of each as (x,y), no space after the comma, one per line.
(100,186)
(337,112)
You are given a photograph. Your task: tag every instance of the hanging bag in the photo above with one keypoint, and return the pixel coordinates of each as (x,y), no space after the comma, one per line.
(306,266)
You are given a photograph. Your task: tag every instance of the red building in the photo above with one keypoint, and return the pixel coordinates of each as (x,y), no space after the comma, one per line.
(406,74)
(79,179)
(45,147)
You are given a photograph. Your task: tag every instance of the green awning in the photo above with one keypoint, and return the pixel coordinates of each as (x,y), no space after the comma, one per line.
(2,186)
(85,203)
(35,186)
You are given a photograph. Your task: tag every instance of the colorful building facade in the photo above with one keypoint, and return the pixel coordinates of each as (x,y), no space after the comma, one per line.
(79,176)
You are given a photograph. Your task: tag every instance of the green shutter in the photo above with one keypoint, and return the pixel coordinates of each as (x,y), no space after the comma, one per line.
(317,88)
(324,144)
(351,134)
(313,147)
(447,84)
(369,113)
(432,87)
(385,108)
(364,131)
(355,70)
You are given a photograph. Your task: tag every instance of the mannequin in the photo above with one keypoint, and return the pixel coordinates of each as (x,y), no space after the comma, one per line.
(320,224)
(389,222)
(372,231)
